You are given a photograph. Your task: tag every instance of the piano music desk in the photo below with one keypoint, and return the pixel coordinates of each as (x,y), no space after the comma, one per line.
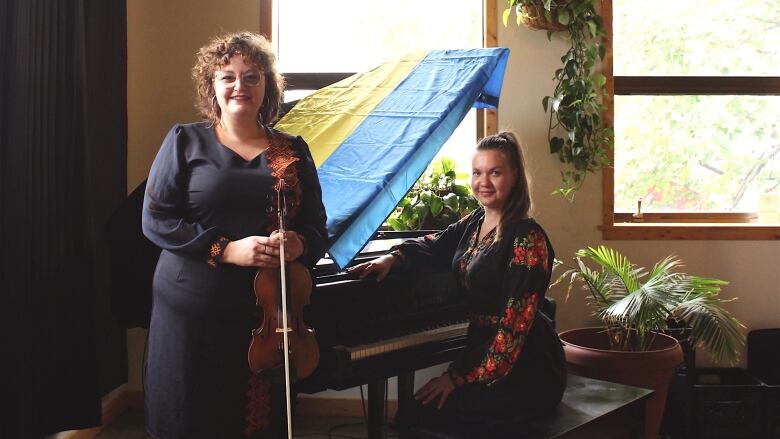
(590,409)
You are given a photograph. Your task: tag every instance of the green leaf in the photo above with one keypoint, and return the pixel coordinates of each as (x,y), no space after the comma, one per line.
(563,17)
(599,79)
(396,224)
(451,201)
(461,190)
(505,16)
(545,101)
(436,205)
(593,29)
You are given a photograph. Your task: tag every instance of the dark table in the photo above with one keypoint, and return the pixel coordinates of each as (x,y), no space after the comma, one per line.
(590,409)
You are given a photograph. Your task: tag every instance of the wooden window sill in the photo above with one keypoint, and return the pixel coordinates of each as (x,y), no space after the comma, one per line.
(690,231)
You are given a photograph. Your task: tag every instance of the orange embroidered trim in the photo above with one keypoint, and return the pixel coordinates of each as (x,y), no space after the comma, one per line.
(216,250)
(281,161)
(258,407)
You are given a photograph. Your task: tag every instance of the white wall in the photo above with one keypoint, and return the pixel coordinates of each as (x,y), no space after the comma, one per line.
(163,37)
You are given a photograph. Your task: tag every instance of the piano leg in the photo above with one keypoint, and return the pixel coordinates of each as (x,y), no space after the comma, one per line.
(376,408)
(405,398)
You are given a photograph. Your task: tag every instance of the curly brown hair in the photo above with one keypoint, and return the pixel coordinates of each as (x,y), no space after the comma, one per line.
(255,49)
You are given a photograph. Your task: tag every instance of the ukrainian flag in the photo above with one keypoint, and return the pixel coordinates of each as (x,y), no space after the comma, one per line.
(373,134)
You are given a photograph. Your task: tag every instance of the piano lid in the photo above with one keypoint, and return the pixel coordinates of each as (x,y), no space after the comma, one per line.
(373,134)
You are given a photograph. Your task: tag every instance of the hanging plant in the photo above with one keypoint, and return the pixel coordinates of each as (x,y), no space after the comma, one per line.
(576,131)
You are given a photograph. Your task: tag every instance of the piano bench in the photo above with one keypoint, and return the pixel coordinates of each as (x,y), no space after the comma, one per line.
(589,409)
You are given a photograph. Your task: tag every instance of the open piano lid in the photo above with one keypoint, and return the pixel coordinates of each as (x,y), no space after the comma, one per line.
(373,134)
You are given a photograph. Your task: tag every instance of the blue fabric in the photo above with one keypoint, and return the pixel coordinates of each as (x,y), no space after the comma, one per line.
(366,177)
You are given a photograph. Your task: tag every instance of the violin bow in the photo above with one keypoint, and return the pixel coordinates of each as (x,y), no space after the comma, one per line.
(285,329)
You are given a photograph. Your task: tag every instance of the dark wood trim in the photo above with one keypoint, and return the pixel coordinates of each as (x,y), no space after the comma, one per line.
(687,217)
(697,85)
(697,231)
(607,173)
(313,81)
(267,19)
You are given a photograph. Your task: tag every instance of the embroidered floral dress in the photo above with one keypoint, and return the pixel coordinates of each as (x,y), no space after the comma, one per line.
(201,195)
(513,363)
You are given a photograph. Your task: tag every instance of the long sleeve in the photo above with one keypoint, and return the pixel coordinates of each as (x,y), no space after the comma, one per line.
(163,218)
(436,249)
(525,282)
(310,221)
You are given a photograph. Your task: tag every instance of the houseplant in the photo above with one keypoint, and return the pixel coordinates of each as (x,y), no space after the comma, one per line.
(635,307)
(436,200)
(576,132)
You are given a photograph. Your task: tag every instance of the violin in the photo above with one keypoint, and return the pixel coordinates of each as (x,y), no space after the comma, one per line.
(283,338)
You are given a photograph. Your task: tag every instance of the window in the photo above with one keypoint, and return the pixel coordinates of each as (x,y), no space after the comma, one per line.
(319,43)
(696,112)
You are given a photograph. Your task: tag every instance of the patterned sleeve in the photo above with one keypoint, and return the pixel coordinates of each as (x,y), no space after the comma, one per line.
(526,279)
(436,249)
(162,217)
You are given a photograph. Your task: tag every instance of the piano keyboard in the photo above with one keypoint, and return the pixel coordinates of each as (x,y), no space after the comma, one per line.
(361,352)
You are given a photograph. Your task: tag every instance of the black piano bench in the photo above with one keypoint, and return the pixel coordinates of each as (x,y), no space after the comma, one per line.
(589,409)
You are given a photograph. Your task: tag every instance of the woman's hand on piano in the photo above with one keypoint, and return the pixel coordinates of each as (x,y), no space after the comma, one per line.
(440,388)
(379,267)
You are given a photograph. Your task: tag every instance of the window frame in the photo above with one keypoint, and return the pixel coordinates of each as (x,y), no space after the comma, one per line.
(487,119)
(671,225)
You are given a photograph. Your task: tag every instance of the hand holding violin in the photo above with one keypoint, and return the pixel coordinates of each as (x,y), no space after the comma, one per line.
(262,251)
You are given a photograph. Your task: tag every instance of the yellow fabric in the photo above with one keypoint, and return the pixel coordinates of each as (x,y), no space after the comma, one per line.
(328,116)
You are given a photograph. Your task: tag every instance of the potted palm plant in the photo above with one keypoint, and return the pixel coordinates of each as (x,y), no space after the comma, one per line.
(635,307)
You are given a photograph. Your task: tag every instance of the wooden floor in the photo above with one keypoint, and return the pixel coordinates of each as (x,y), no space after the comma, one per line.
(130,425)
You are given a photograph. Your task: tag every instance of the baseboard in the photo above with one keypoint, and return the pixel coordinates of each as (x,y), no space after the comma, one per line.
(352,407)
(112,409)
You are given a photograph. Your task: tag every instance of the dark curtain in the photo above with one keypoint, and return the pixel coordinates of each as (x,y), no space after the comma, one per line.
(63,131)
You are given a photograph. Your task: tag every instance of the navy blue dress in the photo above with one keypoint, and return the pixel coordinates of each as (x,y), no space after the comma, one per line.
(200,194)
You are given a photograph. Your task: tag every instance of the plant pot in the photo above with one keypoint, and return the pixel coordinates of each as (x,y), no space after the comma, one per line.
(588,354)
(533,17)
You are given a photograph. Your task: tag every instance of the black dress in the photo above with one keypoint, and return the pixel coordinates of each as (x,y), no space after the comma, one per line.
(199,194)
(513,365)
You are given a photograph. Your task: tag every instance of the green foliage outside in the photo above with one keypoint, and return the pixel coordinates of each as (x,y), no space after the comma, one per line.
(696,153)
(437,199)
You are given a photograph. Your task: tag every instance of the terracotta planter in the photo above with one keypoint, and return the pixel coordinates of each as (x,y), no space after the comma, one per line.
(588,354)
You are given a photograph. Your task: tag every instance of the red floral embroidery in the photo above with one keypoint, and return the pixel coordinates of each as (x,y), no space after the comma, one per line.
(506,346)
(531,250)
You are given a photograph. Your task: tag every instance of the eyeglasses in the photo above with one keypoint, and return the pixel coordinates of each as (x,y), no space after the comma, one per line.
(250,79)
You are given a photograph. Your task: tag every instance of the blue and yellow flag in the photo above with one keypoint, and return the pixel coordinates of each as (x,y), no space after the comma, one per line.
(373,134)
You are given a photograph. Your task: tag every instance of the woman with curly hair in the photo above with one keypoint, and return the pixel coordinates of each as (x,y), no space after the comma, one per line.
(513,364)
(210,204)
